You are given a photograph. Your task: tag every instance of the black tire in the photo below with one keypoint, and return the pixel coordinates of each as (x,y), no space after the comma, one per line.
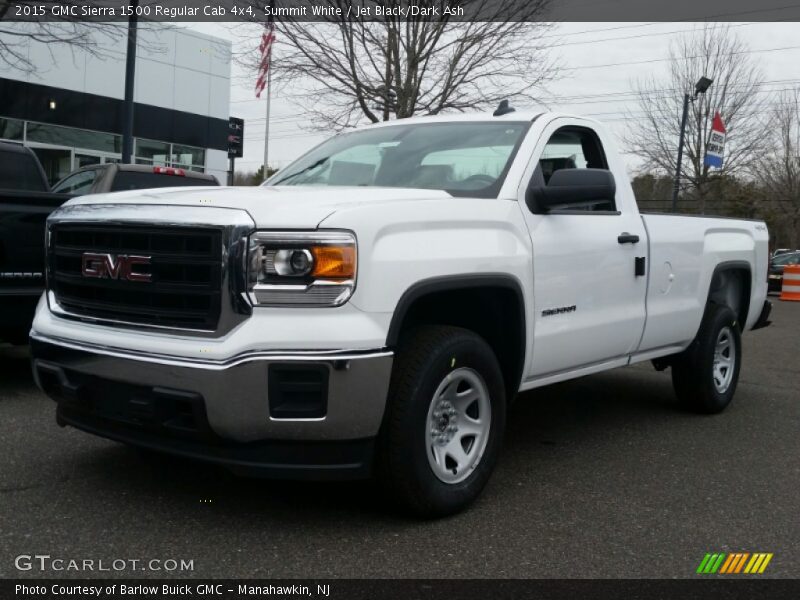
(424,359)
(693,375)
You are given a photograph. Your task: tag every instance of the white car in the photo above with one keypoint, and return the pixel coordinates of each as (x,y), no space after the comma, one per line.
(376,305)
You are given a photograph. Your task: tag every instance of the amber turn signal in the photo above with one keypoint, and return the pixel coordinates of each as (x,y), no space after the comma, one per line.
(334,262)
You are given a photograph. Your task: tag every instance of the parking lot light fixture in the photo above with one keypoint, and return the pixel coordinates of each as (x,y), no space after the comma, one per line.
(702,85)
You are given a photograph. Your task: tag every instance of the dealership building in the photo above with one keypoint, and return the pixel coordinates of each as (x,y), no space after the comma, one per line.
(67,105)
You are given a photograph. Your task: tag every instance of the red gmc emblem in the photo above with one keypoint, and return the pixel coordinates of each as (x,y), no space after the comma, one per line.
(109,266)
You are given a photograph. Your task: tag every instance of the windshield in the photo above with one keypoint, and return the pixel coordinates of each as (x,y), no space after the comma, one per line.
(464,158)
(786,259)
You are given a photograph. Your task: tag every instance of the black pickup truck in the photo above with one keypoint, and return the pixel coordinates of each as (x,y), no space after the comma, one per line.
(26,200)
(25,203)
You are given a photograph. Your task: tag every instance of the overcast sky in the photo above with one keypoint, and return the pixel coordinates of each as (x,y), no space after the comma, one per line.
(584,49)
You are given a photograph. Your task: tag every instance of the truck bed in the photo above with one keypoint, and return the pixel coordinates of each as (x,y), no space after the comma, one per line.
(684,252)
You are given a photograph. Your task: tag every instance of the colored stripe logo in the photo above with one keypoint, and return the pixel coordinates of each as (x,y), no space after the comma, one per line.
(734,563)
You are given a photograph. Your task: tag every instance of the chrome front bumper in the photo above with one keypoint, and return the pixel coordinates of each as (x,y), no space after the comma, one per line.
(233,392)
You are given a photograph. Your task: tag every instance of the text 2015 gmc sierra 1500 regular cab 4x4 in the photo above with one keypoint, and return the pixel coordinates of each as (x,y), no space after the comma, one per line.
(375,307)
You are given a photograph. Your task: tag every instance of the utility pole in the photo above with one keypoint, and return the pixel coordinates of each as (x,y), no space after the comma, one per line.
(130,72)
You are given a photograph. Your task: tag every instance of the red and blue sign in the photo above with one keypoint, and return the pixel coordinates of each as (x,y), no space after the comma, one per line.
(716,143)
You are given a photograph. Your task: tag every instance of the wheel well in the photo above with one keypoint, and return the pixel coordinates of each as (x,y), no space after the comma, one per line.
(491,307)
(730,286)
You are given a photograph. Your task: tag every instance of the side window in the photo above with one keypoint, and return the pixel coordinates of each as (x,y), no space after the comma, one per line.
(19,171)
(574,148)
(78,183)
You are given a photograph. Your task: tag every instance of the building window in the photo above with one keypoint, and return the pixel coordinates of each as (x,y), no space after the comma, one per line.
(62,149)
(150,152)
(187,156)
(75,138)
(163,154)
(11,129)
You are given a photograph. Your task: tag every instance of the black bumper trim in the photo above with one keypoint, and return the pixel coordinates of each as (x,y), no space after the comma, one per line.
(334,460)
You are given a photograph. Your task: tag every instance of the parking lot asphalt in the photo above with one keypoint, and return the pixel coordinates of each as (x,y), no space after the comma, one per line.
(599,477)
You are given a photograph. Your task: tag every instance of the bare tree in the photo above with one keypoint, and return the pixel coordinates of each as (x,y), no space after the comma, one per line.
(717,53)
(252,177)
(73,33)
(242,178)
(348,70)
(778,169)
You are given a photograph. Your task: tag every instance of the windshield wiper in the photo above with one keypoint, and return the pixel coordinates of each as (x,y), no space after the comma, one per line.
(313,165)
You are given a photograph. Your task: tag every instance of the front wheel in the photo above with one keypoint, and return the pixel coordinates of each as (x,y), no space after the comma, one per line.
(705,374)
(444,423)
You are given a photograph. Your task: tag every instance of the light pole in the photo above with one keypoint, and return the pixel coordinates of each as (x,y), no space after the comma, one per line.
(130,72)
(699,88)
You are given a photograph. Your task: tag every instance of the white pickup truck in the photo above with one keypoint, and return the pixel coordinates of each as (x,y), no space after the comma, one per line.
(376,305)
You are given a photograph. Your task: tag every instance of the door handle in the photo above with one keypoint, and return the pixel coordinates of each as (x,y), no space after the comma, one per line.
(627,238)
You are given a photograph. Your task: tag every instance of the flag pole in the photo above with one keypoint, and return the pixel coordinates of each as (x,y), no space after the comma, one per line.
(266,132)
(270,25)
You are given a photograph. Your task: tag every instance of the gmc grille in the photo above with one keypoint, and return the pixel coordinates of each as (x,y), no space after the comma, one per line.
(185,265)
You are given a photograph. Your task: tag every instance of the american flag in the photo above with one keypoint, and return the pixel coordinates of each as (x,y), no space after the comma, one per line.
(265,49)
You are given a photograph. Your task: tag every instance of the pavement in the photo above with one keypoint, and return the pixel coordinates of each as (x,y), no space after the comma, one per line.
(600,477)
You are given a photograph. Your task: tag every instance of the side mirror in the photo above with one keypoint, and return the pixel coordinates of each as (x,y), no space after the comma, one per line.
(572,188)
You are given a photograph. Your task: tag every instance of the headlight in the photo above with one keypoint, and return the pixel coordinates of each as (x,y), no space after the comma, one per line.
(314,268)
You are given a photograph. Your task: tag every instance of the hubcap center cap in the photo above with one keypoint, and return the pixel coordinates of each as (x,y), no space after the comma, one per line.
(444,422)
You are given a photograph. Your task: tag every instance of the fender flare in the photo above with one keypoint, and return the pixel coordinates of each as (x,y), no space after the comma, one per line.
(450,283)
(735,265)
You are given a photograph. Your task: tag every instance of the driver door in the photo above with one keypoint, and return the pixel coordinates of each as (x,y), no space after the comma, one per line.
(589,301)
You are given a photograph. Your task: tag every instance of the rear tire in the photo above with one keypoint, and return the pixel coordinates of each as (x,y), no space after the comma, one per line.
(705,375)
(444,421)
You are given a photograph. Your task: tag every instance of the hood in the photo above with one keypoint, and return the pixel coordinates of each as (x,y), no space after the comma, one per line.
(287,207)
